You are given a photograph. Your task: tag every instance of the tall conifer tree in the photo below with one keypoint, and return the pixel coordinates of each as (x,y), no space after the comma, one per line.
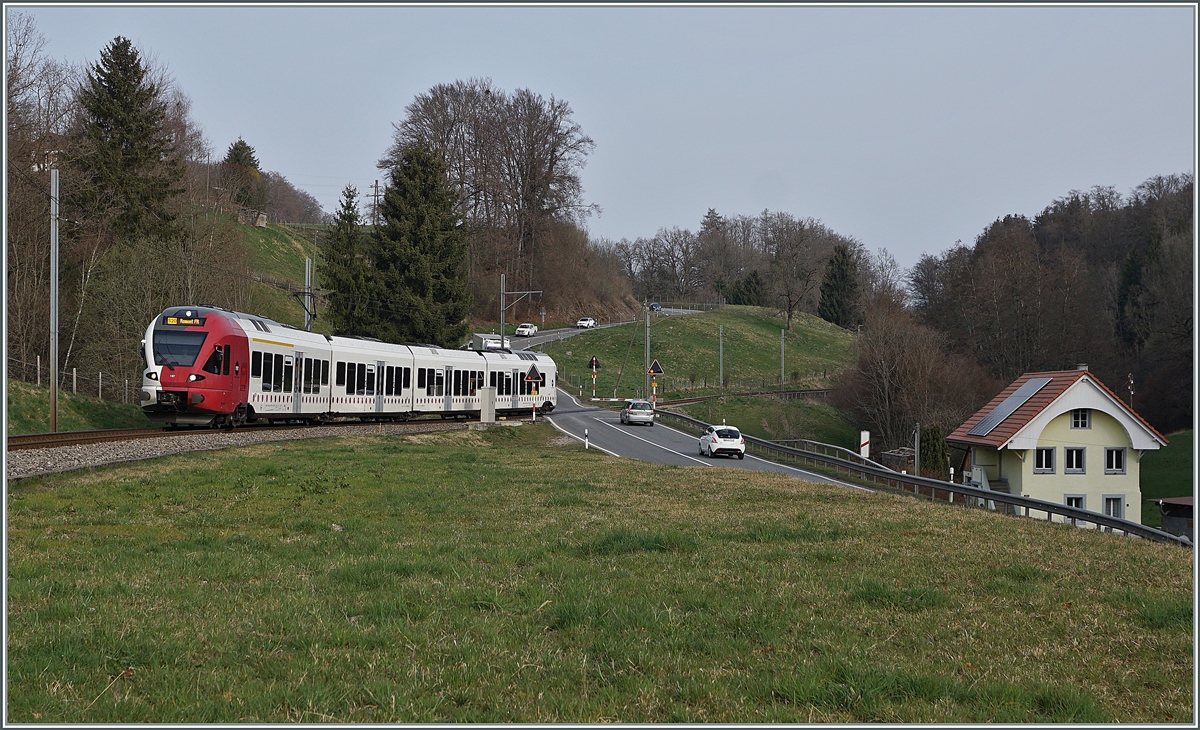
(343,272)
(419,285)
(839,290)
(127,167)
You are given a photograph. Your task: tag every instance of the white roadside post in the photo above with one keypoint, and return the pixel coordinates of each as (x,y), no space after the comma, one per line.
(585,439)
(864,444)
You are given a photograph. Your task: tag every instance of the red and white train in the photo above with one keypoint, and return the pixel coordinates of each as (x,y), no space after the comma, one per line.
(208,366)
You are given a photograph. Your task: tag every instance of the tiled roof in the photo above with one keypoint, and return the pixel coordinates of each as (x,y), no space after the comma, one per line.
(1060,380)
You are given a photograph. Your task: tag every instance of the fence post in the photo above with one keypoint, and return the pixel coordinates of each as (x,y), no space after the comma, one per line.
(125,398)
(39,369)
(100,384)
(74,383)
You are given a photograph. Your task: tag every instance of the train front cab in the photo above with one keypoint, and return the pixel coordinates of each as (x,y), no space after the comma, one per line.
(197,368)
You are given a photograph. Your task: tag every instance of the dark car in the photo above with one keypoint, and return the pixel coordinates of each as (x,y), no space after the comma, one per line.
(655,307)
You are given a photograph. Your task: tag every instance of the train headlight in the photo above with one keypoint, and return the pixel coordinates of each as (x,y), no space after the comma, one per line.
(152,375)
(194,377)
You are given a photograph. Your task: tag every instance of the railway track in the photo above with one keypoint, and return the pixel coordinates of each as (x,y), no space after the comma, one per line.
(75,438)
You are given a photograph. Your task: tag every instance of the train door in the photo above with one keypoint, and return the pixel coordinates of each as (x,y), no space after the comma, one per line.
(381,368)
(291,382)
(515,389)
(448,403)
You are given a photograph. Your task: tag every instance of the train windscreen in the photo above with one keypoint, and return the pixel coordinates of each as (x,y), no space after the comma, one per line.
(177,347)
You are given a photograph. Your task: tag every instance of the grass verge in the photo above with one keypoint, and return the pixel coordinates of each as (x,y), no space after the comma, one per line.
(29,411)
(509,576)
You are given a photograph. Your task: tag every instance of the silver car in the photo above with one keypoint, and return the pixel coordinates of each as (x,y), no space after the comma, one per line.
(638,411)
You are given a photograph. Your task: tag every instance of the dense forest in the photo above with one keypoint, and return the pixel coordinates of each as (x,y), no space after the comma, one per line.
(149,218)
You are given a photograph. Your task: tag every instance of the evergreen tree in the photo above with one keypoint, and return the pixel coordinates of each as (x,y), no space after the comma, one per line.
(240,153)
(935,462)
(249,186)
(343,273)
(839,290)
(125,162)
(419,289)
(753,290)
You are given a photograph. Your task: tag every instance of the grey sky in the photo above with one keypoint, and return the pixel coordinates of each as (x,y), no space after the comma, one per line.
(905,127)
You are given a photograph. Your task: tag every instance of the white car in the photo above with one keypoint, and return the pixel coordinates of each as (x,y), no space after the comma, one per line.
(526,330)
(586,323)
(723,440)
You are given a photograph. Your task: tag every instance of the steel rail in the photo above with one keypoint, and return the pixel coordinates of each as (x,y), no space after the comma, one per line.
(969,495)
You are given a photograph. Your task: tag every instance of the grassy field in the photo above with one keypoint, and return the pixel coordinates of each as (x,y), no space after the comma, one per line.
(507,575)
(773,419)
(29,411)
(687,349)
(1167,472)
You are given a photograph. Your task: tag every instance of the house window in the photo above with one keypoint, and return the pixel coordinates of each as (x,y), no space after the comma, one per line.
(1078,501)
(1075,461)
(1081,418)
(1043,461)
(1114,461)
(1114,505)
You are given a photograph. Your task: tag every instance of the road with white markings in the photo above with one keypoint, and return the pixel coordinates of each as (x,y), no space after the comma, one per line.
(658,444)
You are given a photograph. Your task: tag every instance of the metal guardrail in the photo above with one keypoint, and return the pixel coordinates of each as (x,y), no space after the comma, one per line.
(920,486)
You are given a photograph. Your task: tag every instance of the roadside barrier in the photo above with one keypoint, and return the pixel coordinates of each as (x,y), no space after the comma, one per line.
(869,472)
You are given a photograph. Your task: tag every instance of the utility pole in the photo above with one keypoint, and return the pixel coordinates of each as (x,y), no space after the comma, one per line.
(782,369)
(503,307)
(917,453)
(720,357)
(308,295)
(646,369)
(375,205)
(53,300)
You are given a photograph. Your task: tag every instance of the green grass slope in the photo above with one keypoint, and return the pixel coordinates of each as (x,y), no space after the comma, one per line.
(29,410)
(773,419)
(687,349)
(439,579)
(1167,472)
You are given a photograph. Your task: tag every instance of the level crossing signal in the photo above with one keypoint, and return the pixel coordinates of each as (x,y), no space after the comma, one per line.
(655,368)
(594,363)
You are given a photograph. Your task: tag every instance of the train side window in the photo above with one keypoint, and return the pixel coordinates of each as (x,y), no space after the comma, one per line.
(407,378)
(350,370)
(390,380)
(225,364)
(439,378)
(492,379)
(256,364)
(288,367)
(268,377)
(324,372)
(308,375)
(458,382)
(360,384)
(420,377)
(339,377)
(370,380)
(213,364)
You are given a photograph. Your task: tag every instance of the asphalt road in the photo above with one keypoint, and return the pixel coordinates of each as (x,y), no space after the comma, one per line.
(658,444)
(542,337)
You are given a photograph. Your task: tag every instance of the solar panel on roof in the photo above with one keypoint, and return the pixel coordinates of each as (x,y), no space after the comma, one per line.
(1007,406)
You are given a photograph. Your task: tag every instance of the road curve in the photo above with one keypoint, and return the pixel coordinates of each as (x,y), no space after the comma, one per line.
(660,444)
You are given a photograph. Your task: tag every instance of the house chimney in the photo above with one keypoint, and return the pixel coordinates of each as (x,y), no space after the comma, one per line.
(1081,366)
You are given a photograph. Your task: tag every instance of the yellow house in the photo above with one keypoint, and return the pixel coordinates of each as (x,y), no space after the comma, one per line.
(1060,436)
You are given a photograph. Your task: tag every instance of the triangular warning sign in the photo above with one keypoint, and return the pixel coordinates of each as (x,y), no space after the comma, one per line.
(655,368)
(533,375)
